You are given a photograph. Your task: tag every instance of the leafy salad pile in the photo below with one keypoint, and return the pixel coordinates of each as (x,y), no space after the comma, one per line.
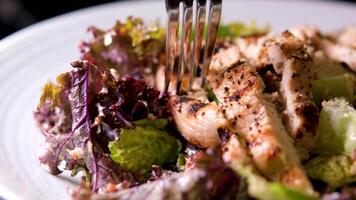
(106,121)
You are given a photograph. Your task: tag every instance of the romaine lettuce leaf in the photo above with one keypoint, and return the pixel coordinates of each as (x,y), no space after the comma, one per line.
(336,170)
(145,145)
(336,132)
(237,29)
(331,87)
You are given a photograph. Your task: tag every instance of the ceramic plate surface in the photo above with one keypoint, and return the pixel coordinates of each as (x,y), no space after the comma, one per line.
(33,56)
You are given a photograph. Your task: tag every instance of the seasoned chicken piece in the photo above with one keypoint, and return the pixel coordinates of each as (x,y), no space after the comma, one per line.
(347,37)
(290,60)
(339,52)
(198,122)
(341,48)
(224,59)
(221,61)
(234,149)
(250,46)
(245,48)
(257,121)
(272,150)
(308,34)
(236,81)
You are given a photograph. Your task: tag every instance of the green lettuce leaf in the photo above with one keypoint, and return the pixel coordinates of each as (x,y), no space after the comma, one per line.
(336,132)
(334,170)
(54,94)
(237,29)
(211,95)
(158,123)
(331,87)
(146,145)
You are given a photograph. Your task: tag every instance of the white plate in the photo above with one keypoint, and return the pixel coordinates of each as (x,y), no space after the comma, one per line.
(37,54)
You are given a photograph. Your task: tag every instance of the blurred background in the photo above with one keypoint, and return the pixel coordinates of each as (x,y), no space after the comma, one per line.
(17,14)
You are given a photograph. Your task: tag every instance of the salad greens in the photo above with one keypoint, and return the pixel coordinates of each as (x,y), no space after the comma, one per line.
(336,132)
(127,47)
(335,145)
(146,145)
(80,114)
(331,87)
(212,179)
(210,95)
(261,189)
(71,98)
(104,119)
(237,29)
(335,170)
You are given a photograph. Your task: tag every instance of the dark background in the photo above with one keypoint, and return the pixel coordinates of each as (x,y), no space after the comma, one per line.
(16,14)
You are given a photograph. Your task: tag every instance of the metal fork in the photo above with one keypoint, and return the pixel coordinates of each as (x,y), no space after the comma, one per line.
(189,53)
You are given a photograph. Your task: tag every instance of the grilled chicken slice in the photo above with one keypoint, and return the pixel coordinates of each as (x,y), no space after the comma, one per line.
(257,121)
(341,48)
(198,122)
(234,148)
(237,80)
(339,53)
(225,58)
(290,60)
(250,46)
(347,37)
(308,34)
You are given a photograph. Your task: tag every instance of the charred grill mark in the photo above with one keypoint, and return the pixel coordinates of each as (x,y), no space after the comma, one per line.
(194,107)
(272,82)
(224,135)
(253,37)
(286,33)
(184,99)
(239,93)
(311,113)
(235,96)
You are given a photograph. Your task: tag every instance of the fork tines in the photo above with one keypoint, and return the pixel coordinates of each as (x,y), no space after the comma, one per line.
(193,13)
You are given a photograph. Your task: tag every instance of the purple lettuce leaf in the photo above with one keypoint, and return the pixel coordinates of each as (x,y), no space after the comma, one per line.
(84,111)
(128,47)
(130,101)
(76,146)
